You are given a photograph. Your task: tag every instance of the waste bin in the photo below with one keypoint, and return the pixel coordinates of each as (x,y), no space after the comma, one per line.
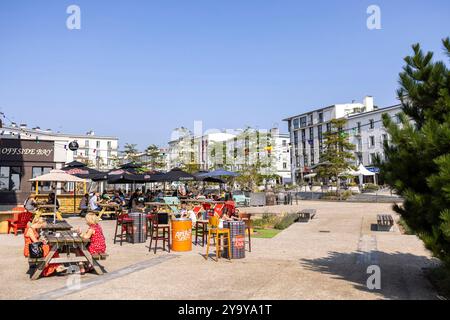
(138,234)
(182,235)
(237,233)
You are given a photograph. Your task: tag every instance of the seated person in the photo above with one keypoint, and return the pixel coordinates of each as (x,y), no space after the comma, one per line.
(118,199)
(94,202)
(31,235)
(51,200)
(84,204)
(30,204)
(94,233)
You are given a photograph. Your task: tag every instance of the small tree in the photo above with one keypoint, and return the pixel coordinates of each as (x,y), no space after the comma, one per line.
(131,152)
(156,161)
(336,158)
(417,163)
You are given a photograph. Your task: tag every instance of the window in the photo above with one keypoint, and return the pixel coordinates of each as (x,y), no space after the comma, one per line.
(86,143)
(311,120)
(371,124)
(302,122)
(296,123)
(311,133)
(284,143)
(10,178)
(321,117)
(284,165)
(39,171)
(385,138)
(109,145)
(98,144)
(372,158)
(328,127)
(359,127)
(86,153)
(372,141)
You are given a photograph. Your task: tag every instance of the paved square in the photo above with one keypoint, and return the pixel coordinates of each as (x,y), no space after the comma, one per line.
(324,259)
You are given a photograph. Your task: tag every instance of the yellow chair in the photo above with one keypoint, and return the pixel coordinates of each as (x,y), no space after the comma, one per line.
(215,233)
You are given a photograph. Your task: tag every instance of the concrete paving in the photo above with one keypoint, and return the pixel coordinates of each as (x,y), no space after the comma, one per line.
(324,259)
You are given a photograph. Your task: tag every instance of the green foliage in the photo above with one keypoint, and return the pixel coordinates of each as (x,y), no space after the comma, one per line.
(155,158)
(287,221)
(338,151)
(417,161)
(131,152)
(371,187)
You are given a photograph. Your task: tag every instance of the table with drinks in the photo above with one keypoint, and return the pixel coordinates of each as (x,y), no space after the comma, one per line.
(71,249)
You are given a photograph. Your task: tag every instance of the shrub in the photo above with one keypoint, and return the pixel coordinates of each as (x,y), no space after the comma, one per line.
(371,187)
(267,221)
(287,221)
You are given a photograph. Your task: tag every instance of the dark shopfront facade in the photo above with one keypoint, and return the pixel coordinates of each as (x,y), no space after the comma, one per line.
(20,161)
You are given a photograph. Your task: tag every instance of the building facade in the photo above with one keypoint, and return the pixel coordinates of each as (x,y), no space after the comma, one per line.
(233,150)
(99,152)
(307,133)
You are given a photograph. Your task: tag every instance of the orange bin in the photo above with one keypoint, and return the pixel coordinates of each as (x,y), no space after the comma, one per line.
(182,235)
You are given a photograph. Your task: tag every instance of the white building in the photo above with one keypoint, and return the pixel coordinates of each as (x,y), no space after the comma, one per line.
(98,151)
(307,133)
(368,134)
(233,150)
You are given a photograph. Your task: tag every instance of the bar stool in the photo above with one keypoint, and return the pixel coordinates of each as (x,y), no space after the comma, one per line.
(160,221)
(201,230)
(247,218)
(123,221)
(213,233)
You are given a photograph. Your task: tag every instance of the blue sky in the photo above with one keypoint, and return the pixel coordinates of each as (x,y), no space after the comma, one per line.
(138,69)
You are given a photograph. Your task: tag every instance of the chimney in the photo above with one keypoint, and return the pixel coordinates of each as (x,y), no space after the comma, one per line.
(368,103)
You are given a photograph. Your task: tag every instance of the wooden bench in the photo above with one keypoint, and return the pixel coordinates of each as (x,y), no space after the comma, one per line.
(385,222)
(307,215)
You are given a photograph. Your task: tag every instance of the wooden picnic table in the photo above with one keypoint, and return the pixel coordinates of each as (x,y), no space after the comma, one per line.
(57,226)
(67,245)
(108,209)
(45,210)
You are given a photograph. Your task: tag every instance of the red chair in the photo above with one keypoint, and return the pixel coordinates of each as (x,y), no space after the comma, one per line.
(21,222)
(218,209)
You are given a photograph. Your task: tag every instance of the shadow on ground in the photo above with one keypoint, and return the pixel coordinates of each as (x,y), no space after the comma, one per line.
(402,274)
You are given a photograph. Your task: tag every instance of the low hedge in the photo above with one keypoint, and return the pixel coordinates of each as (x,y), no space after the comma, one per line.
(287,221)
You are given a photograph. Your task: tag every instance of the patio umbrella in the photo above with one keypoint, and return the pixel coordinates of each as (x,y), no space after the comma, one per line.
(80,170)
(201,177)
(177,175)
(56,176)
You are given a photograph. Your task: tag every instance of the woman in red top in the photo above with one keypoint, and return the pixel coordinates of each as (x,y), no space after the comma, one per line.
(94,233)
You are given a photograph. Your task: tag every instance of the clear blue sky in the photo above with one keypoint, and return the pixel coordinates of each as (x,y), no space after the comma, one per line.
(138,69)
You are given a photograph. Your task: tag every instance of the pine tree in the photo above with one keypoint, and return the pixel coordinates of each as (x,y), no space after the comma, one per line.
(337,155)
(417,161)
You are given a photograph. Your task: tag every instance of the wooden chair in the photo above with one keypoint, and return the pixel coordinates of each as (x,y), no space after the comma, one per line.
(123,220)
(247,218)
(23,218)
(213,233)
(160,222)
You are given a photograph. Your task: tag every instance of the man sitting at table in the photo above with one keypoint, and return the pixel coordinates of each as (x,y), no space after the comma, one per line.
(94,202)
(52,200)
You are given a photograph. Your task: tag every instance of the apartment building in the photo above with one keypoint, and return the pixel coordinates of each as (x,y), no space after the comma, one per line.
(307,133)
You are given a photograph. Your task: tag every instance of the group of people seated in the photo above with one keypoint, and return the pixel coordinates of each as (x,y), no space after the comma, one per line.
(94,233)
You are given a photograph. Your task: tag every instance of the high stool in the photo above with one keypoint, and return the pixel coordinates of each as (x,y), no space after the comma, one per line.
(123,220)
(247,218)
(201,229)
(160,222)
(213,233)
